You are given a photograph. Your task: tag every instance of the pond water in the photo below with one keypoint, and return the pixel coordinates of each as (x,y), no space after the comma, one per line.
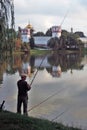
(59,89)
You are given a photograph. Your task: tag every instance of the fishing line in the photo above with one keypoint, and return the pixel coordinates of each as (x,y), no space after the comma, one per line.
(67,109)
(59,115)
(46,99)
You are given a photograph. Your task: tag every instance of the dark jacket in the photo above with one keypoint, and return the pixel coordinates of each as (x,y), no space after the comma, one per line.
(23,87)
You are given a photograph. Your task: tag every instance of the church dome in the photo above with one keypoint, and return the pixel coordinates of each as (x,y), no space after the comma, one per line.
(29,26)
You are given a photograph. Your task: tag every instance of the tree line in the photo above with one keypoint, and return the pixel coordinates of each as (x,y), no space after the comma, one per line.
(64,32)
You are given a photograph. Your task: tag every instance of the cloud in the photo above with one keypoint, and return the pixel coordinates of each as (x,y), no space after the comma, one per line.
(83,3)
(43,14)
(47,7)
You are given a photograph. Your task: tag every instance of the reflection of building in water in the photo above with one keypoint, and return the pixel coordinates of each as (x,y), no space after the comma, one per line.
(56,71)
(52,63)
(26,68)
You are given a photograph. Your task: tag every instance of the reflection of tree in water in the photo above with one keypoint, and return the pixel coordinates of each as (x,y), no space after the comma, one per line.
(2,67)
(1,78)
(54,60)
(6,66)
(74,61)
(24,64)
(58,59)
(13,64)
(25,58)
(66,61)
(27,64)
(32,63)
(32,60)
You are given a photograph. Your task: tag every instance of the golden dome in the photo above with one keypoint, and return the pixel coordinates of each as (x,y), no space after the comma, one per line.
(29,26)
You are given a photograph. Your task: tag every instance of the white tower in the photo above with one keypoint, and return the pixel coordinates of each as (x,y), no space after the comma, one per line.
(25,35)
(56,31)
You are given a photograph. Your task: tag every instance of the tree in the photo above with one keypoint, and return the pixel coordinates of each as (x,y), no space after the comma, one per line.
(49,32)
(80,34)
(6,20)
(39,34)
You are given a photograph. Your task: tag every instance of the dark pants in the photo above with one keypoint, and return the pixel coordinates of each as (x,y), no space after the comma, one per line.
(24,100)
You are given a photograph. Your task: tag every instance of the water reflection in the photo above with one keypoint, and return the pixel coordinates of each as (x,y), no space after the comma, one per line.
(57,72)
(54,63)
(66,61)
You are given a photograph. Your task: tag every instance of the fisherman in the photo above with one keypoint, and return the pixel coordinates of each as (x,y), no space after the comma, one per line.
(23,88)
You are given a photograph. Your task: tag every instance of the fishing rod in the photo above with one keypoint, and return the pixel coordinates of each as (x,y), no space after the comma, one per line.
(64,17)
(37,70)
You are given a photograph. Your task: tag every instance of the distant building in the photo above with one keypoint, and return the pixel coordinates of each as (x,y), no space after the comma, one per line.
(84,41)
(26,33)
(56,31)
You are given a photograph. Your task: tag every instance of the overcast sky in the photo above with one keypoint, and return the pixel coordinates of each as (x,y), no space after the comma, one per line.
(42,14)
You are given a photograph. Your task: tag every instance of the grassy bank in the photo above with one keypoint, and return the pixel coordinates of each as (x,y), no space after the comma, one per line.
(12,121)
(33,52)
(39,52)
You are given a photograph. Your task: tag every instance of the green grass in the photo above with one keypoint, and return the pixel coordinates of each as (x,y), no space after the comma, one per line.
(35,52)
(13,121)
(85,50)
(39,52)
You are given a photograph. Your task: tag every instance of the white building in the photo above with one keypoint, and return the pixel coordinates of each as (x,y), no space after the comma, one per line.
(56,31)
(25,35)
(84,41)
